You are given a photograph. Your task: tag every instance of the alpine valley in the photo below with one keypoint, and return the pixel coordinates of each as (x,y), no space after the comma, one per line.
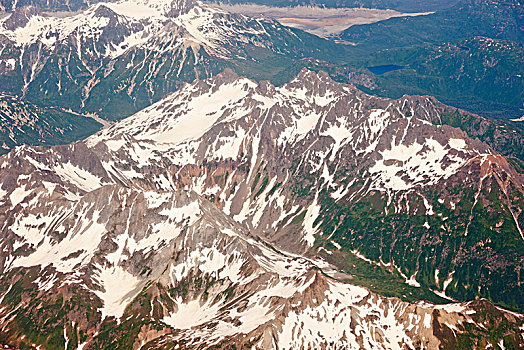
(203,209)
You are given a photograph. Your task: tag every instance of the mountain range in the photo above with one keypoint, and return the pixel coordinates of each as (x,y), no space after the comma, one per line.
(401,5)
(469,56)
(114,59)
(174,176)
(234,214)
(108,60)
(481,75)
(497,19)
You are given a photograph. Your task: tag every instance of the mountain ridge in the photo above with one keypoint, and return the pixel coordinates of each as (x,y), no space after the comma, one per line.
(124,55)
(152,142)
(186,211)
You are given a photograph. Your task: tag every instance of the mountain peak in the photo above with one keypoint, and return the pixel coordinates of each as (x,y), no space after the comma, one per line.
(318,83)
(226,76)
(144,8)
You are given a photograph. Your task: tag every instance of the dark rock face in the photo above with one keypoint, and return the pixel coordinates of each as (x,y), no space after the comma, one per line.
(20,17)
(170,228)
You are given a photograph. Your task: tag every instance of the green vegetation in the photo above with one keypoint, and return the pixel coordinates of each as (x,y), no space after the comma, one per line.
(469,56)
(467,19)
(477,243)
(377,278)
(24,123)
(505,137)
(480,75)
(262,187)
(44,316)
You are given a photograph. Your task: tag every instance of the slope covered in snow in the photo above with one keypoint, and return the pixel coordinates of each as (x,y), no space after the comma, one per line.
(165,269)
(215,217)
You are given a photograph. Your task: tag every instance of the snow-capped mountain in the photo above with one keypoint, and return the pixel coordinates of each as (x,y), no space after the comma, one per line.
(121,268)
(297,163)
(237,214)
(49,5)
(114,58)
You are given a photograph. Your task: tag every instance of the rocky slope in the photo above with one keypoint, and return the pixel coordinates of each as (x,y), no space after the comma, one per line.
(230,213)
(307,161)
(121,268)
(114,58)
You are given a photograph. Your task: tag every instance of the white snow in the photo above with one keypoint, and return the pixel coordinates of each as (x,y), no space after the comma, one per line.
(118,286)
(30,227)
(414,162)
(83,239)
(459,144)
(330,322)
(311,215)
(18,195)
(135,9)
(448,281)
(306,123)
(10,63)
(412,281)
(427,320)
(81,178)
(39,27)
(191,314)
(197,115)
(46,283)
(230,146)
(451,308)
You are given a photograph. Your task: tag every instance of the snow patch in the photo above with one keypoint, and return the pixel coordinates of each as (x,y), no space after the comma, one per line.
(118,286)
(191,314)
(79,177)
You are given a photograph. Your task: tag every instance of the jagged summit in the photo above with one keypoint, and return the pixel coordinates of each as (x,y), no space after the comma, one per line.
(153,8)
(181,7)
